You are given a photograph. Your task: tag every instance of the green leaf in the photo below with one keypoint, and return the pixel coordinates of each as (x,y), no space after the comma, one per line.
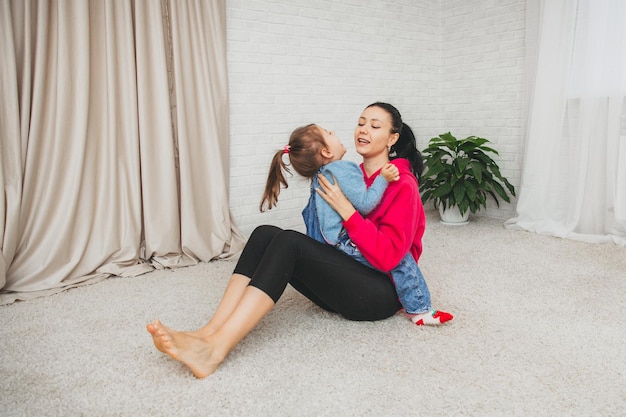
(463,161)
(500,190)
(477,171)
(509,186)
(434,170)
(442,190)
(463,206)
(470,190)
(459,191)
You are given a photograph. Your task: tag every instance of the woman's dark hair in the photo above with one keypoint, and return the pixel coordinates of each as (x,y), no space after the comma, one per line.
(305,156)
(406,146)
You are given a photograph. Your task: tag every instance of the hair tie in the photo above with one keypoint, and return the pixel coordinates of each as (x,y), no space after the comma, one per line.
(286,149)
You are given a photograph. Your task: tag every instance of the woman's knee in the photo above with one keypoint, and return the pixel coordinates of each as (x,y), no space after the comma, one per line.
(264,232)
(289,241)
(269,234)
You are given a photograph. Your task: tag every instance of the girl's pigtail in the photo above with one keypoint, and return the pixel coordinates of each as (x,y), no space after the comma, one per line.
(275,179)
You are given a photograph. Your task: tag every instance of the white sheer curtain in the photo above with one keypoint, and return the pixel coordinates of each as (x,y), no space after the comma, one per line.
(574,175)
(113,141)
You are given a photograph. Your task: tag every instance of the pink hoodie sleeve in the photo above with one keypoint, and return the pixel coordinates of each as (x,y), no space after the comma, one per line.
(389,232)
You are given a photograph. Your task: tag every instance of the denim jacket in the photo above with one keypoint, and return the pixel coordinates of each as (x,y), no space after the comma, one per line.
(309,214)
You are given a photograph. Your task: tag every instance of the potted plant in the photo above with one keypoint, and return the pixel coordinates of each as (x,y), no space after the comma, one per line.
(459,175)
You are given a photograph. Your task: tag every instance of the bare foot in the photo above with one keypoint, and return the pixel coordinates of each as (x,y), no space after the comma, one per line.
(151,327)
(157,340)
(197,354)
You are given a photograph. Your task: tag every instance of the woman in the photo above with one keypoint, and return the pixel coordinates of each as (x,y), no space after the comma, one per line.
(313,150)
(331,279)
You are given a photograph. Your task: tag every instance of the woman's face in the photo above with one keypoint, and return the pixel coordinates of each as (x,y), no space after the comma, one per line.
(372,135)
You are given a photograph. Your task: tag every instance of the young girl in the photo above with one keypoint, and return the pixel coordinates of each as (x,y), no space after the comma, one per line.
(314,151)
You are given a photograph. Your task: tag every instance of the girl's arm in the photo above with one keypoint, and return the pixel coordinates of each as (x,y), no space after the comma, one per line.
(350,179)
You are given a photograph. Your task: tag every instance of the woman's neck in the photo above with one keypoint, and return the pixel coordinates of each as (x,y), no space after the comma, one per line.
(371,165)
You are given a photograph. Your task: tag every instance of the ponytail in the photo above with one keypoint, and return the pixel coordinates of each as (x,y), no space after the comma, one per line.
(305,155)
(406,148)
(275,179)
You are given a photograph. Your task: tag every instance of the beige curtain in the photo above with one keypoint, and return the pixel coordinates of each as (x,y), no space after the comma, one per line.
(113,141)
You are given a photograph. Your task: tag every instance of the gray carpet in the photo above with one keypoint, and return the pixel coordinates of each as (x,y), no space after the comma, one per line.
(539,330)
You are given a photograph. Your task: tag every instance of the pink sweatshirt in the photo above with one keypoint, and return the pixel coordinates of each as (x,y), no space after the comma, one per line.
(395,226)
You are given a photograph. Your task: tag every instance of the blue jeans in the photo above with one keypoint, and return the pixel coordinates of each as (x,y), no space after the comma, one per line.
(410,283)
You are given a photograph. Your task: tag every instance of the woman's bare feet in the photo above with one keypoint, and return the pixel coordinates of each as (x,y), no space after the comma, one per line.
(151,327)
(197,354)
(199,334)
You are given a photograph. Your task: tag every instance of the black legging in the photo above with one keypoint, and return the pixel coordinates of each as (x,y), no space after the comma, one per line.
(331,279)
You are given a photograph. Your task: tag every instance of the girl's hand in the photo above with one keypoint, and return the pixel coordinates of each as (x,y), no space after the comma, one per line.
(390,172)
(332,194)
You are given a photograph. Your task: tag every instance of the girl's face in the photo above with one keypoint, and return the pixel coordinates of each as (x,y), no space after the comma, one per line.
(335,150)
(372,135)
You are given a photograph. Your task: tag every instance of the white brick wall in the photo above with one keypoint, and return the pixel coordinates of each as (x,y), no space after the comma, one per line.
(482,53)
(453,65)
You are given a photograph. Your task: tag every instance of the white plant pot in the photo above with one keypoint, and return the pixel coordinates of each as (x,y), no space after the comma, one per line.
(451,216)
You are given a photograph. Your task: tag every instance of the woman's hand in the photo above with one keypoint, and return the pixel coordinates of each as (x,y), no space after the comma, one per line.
(332,194)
